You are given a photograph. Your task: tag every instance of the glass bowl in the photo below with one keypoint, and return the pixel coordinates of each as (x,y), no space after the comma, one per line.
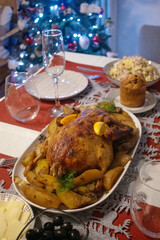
(54,224)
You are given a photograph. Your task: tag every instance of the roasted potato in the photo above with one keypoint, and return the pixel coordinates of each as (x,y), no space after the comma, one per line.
(52,127)
(82,190)
(87,107)
(120,160)
(68,110)
(125,119)
(49,180)
(128,143)
(31,164)
(73,200)
(87,177)
(93,190)
(50,189)
(111,176)
(28,157)
(41,166)
(37,195)
(32,179)
(40,149)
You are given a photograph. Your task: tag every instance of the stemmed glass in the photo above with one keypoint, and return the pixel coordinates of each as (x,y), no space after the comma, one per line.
(145,200)
(54,62)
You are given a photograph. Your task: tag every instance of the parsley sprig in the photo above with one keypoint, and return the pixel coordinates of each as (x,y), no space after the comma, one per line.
(107,106)
(66,182)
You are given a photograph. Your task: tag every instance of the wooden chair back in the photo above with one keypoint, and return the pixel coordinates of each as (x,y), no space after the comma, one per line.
(12,3)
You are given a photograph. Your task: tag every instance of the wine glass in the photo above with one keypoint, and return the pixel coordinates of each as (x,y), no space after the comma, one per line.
(54,62)
(145,200)
(21,96)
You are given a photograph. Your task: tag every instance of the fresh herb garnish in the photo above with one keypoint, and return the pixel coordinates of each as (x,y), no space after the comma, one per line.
(107,106)
(66,182)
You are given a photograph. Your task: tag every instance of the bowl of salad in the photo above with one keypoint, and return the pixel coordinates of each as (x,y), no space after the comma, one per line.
(118,69)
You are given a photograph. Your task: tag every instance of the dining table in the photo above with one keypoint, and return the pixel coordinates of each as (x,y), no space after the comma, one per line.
(111,219)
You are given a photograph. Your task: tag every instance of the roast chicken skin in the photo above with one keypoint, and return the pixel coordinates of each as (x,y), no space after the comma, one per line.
(75,146)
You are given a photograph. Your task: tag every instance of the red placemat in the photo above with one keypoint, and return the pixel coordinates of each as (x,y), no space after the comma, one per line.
(4,174)
(118,219)
(42,118)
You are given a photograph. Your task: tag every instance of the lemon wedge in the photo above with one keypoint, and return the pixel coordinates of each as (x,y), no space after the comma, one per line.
(99,128)
(68,119)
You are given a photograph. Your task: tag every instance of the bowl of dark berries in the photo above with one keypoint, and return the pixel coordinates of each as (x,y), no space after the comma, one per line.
(53,224)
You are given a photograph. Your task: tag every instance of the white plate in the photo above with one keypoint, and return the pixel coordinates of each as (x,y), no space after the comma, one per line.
(150,102)
(26,208)
(19,169)
(69,84)
(108,67)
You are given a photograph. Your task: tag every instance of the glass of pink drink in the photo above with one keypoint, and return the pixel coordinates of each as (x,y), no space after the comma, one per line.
(145,200)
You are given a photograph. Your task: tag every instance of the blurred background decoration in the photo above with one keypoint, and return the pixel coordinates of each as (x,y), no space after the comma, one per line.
(84,28)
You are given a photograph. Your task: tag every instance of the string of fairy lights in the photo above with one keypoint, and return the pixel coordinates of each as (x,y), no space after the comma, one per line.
(82,29)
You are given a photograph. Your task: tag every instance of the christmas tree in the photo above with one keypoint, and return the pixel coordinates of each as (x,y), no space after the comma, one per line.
(80,22)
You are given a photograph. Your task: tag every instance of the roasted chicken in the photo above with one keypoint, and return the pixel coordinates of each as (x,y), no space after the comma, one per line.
(77,161)
(75,146)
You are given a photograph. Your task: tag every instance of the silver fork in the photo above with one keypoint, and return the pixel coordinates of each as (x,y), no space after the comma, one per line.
(89,69)
(7,161)
(91,76)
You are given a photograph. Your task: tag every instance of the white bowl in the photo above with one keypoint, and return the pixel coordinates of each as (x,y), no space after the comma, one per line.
(108,67)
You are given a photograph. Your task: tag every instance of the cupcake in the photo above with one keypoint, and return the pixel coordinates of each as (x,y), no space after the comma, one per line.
(133,90)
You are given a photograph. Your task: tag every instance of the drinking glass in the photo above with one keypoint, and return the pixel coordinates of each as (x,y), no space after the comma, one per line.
(54,62)
(20,100)
(145,200)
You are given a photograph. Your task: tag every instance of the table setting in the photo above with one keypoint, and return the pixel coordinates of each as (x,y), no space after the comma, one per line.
(84,81)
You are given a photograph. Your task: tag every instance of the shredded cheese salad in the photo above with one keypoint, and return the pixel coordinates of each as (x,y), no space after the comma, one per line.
(134,65)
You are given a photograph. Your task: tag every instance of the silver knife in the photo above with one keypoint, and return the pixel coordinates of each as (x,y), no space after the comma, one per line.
(88,69)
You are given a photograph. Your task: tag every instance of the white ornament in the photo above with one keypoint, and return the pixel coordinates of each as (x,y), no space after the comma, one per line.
(38,52)
(24,2)
(38,39)
(12,64)
(84,42)
(32,56)
(84,8)
(22,46)
(22,24)
(93,8)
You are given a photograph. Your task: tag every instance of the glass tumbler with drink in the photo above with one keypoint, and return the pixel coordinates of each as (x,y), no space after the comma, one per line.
(145,200)
(20,100)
